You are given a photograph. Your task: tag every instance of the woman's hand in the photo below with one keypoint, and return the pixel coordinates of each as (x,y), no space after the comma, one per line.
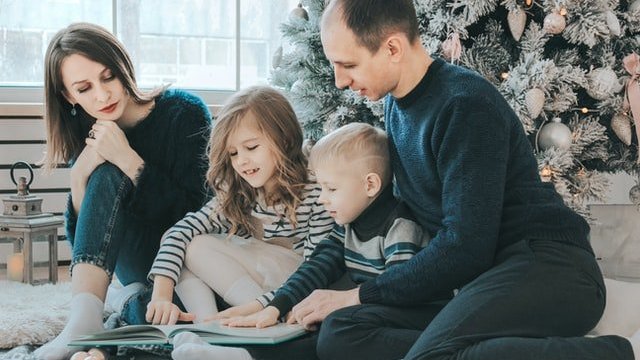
(108,140)
(88,160)
(85,164)
(164,312)
(261,319)
(237,311)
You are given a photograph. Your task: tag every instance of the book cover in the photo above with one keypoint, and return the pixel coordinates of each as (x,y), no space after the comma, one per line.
(211,332)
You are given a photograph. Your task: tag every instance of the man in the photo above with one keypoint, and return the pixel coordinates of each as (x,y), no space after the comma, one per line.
(529,286)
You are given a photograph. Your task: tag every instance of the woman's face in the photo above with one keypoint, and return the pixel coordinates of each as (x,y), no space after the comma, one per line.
(94,87)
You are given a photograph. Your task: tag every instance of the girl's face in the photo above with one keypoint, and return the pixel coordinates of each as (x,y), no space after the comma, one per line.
(92,86)
(251,155)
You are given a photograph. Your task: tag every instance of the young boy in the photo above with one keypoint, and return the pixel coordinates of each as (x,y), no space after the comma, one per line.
(352,166)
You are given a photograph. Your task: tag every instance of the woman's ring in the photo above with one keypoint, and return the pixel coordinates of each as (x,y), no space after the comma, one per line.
(92,134)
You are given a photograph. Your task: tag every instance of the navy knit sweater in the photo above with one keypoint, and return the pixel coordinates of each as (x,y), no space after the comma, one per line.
(172,141)
(465,167)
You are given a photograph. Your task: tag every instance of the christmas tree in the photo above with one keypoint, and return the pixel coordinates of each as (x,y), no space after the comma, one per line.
(568,68)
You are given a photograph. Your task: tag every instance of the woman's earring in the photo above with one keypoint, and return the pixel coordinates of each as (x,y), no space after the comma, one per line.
(73,110)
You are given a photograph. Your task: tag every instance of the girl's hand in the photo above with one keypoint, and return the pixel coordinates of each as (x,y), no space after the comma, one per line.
(264,318)
(108,140)
(163,312)
(237,311)
(88,160)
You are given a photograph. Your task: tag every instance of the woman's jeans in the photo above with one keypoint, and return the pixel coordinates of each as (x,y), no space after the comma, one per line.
(107,234)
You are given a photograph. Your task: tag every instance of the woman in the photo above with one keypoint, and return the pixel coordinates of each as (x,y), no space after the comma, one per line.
(137,166)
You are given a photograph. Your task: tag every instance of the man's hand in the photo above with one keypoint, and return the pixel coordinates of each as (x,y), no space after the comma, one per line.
(321,303)
(261,319)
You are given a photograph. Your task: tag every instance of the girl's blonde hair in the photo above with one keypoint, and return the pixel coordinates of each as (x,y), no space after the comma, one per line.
(276,119)
(66,133)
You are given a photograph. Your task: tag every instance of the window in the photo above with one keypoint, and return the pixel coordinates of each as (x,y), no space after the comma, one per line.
(192,44)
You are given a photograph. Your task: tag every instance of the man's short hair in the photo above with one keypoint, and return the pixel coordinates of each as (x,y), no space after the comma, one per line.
(360,144)
(373,20)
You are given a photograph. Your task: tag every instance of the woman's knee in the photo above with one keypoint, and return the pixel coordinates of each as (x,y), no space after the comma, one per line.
(104,178)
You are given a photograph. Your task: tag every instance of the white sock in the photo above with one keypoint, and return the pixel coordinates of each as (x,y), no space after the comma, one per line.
(118,295)
(188,346)
(85,318)
(635,344)
(242,291)
(197,298)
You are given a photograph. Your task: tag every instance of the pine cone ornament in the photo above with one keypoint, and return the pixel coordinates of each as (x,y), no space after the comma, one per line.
(613,23)
(634,195)
(452,48)
(621,125)
(534,99)
(517,20)
(554,23)
(298,13)
(602,83)
(554,134)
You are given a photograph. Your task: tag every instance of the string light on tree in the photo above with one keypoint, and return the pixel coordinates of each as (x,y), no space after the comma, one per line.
(546,173)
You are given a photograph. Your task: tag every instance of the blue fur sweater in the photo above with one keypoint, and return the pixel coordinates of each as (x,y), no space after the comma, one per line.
(172,141)
(465,167)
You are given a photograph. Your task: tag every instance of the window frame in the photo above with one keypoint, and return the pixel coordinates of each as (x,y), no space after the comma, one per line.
(35,94)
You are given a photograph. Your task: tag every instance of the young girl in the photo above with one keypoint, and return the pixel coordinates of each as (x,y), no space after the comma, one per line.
(137,166)
(254,233)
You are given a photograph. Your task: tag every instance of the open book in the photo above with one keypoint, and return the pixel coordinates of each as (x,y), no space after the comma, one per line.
(211,332)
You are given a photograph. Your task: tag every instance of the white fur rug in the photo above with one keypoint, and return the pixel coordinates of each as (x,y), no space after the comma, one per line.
(32,315)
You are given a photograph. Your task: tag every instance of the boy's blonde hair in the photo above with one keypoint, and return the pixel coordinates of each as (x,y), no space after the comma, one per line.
(276,119)
(359,144)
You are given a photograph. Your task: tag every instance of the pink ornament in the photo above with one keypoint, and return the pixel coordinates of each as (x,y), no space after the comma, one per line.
(554,23)
(452,48)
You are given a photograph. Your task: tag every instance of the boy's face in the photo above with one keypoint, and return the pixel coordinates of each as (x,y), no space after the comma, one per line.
(354,66)
(344,190)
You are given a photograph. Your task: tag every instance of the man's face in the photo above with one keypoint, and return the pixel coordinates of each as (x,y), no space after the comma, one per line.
(355,67)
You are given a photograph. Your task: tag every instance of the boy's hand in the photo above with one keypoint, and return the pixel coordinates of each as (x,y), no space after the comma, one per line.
(261,319)
(317,306)
(237,311)
(163,312)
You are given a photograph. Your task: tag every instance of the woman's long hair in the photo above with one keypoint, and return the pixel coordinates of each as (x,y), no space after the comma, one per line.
(278,122)
(66,133)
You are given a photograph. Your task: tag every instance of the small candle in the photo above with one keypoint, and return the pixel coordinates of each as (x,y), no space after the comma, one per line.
(15,267)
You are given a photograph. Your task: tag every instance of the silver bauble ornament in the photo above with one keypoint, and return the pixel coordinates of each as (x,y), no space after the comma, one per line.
(613,23)
(534,99)
(554,23)
(634,8)
(634,195)
(298,13)
(621,125)
(297,87)
(602,83)
(517,20)
(554,134)
(276,59)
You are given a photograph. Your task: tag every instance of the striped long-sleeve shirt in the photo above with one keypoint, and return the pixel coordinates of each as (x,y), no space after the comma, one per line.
(313,225)
(385,234)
